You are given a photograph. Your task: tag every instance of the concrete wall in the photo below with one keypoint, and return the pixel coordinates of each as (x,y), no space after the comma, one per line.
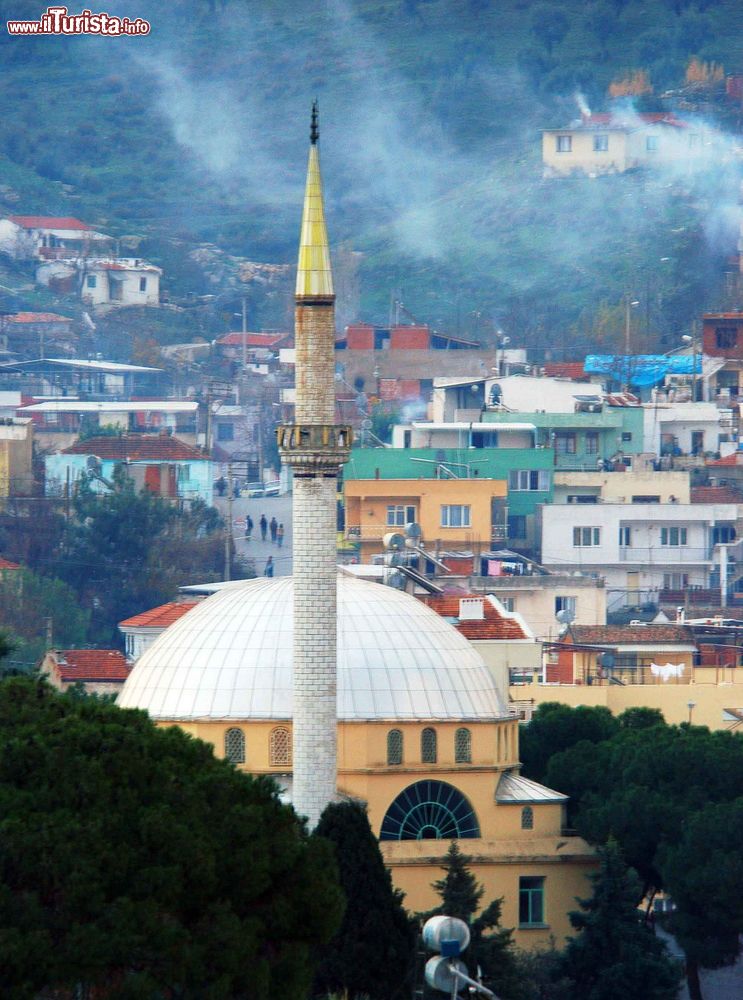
(620,487)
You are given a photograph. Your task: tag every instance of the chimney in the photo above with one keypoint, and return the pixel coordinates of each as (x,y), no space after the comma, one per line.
(471,609)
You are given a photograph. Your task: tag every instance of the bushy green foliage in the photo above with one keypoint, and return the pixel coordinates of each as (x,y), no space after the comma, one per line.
(133,861)
(555,727)
(29,604)
(372,953)
(616,955)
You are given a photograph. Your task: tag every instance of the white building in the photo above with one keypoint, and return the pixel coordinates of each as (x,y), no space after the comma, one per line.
(50,237)
(126,281)
(685,428)
(641,549)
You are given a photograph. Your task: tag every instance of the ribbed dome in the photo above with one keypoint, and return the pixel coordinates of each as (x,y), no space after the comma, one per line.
(231,658)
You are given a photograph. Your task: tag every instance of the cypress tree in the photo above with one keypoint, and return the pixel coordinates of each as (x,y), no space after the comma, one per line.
(373,952)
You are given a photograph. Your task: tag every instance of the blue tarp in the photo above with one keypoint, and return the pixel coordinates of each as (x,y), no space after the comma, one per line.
(642,369)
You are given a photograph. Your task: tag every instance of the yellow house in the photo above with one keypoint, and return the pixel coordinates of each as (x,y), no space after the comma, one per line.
(622,487)
(16,454)
(452,513)
(423,737)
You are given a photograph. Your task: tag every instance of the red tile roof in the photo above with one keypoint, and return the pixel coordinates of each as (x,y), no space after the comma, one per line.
(30,317)
(729,460)
(136,448)
(493,626)
(92,665)
(564,369)
(715,494)
(48,222)
(252,339)
(617,635)
(7,564)
(160,617)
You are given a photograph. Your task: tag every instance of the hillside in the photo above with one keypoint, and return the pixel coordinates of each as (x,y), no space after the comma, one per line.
(430,128)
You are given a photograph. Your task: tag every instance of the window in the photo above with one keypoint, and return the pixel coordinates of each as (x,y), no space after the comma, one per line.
(517,525)
(531,901)
(673,536)
(398,515)
(280,747)
(564,143)
(527,818)
(651,143)
(646,498)
(723,533)
(626,435)
(429,810)
(394,746)
(428,746)
(726,337)
(592,442)
(625,536)
(234,746)
(91,281)
(582,498)
(143,284)
(600,143)
(565,443)
(586,537)
(565,604)
(509,603)
(463,746)
(455,515)
(523,480)
(225,432)
(675,581)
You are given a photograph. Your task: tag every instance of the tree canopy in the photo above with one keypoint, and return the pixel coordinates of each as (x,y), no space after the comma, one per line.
(131,857)
(373,952)
(33,606)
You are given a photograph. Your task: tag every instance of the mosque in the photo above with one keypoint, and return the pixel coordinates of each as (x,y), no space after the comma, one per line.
(343,688)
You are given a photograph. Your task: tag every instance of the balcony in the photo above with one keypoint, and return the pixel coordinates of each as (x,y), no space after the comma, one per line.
(663,555)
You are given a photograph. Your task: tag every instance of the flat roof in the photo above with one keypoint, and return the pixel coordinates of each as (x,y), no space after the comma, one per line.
(104,406)
(98,366)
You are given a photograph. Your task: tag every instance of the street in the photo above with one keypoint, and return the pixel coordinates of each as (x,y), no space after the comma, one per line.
(278,507)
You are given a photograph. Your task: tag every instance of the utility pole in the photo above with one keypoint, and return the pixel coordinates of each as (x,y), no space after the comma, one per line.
(228,526)
(245,334)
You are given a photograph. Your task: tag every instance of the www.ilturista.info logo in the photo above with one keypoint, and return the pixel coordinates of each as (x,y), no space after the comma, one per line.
(56,21)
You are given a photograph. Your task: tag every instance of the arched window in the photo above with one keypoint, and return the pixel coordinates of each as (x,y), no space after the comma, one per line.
(280,747)
(234,746)
(527,818)
(463,746)
(428,746)
(430,810)
(394,746)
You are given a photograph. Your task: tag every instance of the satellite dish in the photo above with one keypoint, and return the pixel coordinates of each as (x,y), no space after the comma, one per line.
(366,424)
(413,530)
(393,540)
(565,617)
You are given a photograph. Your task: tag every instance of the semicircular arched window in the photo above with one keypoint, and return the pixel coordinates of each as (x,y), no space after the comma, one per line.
(234,746)
(394,746)
(280,747)
(527,818)
(428,746)
(463,746)
(430,810)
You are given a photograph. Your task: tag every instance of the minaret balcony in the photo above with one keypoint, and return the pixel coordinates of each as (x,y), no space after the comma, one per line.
(321,447)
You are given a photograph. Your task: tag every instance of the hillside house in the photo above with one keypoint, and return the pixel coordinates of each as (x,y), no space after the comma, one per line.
(100,671)
(614,142)
(140,631)
(162,464)
(84,379)
(32,334)
(47,237)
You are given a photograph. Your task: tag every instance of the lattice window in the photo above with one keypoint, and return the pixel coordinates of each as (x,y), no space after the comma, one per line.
(527,818)
(430,810)
(463,746)
(394,746)
(280,747)
(428,746)
(234,746)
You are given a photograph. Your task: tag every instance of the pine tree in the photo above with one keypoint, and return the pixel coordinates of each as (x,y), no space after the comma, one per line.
(616,956)
(373,952)
(459,889)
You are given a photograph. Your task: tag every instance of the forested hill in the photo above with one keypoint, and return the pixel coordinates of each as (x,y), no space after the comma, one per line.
(430,118)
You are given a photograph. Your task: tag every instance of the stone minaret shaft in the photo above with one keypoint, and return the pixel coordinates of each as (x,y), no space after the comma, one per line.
(315,447)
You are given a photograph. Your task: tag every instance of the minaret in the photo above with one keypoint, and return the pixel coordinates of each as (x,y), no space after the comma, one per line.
(315,447)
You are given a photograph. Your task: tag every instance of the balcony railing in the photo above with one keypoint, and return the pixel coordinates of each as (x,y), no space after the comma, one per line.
(661,555)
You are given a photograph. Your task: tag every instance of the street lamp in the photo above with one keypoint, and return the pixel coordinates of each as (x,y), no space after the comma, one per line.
(691,705)
(502,343)
(629,303)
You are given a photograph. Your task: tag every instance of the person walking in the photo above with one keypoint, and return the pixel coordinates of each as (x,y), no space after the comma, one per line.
(274,527)
(248,527)
(264,527)
(268,571)
(280,535)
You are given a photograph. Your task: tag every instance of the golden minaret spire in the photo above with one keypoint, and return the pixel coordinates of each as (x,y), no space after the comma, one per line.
(314,276)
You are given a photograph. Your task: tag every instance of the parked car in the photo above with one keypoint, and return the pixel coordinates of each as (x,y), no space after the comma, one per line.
(272,488)
(256,490)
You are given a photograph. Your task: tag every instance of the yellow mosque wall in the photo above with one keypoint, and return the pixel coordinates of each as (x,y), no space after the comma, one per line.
(504,853)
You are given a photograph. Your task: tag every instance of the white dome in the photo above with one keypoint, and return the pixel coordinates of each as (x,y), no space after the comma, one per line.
(231,658)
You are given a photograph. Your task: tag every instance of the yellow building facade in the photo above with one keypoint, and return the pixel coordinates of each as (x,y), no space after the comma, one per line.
(452,513)
(16,457)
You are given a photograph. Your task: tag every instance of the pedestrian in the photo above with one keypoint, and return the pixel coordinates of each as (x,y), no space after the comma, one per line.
(274,528)
(268,571)
(248,527)
(280,535)
(221,485)
(264,527)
